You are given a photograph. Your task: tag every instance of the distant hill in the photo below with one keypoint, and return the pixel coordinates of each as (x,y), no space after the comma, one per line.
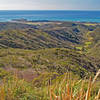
(42,35)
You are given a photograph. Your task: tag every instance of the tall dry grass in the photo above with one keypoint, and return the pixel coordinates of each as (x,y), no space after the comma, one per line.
(65,89)
(67,92)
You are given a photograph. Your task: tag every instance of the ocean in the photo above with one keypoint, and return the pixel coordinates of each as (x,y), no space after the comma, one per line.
(51,15)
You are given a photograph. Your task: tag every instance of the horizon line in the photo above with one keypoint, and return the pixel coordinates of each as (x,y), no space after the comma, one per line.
(49,10)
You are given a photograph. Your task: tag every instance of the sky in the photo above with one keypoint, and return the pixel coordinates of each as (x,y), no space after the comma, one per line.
(49,4)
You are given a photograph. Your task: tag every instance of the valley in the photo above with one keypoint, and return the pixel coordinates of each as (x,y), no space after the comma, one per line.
(38,54)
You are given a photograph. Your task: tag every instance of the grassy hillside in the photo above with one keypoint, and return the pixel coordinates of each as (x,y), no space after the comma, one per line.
(53,35)
(95,46)
(49,61)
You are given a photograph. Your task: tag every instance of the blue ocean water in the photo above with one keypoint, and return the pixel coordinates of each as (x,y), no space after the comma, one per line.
(81,16)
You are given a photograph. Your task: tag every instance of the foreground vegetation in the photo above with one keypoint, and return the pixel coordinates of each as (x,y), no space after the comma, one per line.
(62,87)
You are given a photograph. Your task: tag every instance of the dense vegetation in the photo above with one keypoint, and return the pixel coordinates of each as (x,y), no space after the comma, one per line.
(49,61)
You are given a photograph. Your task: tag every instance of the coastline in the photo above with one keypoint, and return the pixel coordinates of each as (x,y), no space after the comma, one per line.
(51,15)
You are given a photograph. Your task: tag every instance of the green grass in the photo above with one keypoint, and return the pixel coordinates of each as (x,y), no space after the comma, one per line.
(88,43)
(90,24)
(79,48)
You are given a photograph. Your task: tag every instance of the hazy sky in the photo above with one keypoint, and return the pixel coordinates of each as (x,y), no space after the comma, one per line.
(49,4)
